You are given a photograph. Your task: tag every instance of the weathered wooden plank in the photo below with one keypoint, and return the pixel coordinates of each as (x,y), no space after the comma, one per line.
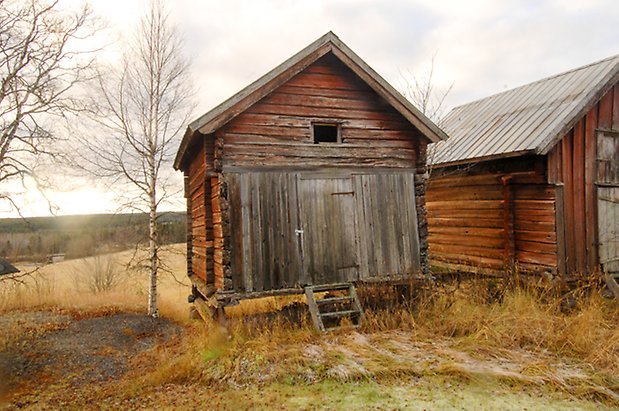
(466,205)
(578,183)
(536,236)
(560,231)
(568,191)
(490,242)
(459,180)
(471,260)
(472,231)
(327,81)
(534,192)
(615,119)
(490,192)
(335,153)
(287,99)
(337,93)
(590,189)
(608,203)
(549,260)
(537,247)
(469,250)
(522,205)
(459,222)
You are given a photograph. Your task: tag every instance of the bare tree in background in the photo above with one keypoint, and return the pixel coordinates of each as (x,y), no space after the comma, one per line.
(424,93)
(40,66)
(144,103)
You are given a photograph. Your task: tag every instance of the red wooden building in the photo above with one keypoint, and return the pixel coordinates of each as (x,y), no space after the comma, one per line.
(531,176)
(311,175)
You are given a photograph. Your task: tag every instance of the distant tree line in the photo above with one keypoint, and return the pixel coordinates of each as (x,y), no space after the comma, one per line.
(81,236)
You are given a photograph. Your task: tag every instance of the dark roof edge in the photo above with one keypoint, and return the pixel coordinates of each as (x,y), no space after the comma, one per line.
(483,158)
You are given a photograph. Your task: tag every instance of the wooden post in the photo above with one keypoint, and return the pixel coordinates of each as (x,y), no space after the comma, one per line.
(508,221)
(560,229)
(189,225)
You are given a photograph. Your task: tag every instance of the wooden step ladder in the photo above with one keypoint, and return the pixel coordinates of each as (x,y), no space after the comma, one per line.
(341,301)
(612,282)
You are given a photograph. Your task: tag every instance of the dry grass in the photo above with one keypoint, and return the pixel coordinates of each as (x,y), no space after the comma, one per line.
(507,335)
(66,286)
(481,314)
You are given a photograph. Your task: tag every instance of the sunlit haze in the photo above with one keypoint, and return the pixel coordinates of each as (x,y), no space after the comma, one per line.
(482,47)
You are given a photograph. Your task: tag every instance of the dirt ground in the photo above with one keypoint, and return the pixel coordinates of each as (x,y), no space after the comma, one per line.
(54,348)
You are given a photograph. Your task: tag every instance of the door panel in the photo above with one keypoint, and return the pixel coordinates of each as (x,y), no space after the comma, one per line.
(307,229)
(608,199)
(327,211)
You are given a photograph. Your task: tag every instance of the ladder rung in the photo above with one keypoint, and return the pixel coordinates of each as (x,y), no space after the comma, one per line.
(329,287)
(334,300)
(339,328)
(336,314)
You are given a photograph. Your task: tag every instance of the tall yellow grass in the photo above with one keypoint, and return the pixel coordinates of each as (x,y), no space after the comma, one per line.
(581,324)
(62,285)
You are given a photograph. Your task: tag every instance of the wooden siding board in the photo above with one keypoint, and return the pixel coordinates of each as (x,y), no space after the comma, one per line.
(590,190)
(615,120)
(578,182)
(560,231)
(568,201)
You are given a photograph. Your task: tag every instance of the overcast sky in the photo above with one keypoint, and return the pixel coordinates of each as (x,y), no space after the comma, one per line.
(482,47)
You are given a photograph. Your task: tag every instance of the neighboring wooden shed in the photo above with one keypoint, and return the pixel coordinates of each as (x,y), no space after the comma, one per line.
(314,174)
(531,176)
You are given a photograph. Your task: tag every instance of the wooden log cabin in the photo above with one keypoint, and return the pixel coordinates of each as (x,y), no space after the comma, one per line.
(530,177)
(313,174)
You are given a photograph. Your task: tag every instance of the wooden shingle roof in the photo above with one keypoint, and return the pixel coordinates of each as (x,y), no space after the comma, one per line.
(529,119)
(329,43)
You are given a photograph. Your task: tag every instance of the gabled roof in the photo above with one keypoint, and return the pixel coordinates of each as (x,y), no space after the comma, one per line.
(529,119)
(329,43)
(6,267)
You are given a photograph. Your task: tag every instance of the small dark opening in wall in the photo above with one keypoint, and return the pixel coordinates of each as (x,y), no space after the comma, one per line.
(325,133)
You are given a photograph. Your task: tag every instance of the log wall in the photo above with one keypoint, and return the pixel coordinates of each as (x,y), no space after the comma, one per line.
(276,131)
(198,191)
(572,166)
(486,217)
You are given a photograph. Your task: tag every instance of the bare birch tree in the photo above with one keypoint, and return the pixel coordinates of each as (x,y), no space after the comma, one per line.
(143,105)
(423,92)
(40,66)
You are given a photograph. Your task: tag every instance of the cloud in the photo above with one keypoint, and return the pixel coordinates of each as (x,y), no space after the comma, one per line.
(484,46)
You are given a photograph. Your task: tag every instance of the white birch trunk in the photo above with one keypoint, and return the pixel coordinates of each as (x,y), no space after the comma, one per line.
(153,309)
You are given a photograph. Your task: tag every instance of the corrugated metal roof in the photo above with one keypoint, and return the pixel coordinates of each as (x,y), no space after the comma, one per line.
(528,119)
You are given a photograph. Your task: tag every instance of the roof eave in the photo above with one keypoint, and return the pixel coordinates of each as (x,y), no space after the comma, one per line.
(482,159)
(180,154)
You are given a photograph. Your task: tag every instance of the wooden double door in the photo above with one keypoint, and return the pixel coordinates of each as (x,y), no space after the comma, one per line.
(297,229)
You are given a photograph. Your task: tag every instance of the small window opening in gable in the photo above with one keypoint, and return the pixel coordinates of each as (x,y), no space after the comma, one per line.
(326,133)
